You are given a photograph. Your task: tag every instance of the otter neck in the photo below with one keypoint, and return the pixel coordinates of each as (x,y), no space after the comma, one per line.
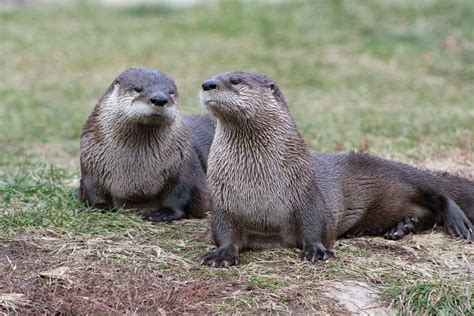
(263,129)
(132,134)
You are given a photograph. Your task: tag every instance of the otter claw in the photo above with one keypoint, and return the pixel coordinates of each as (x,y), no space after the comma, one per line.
(456,223)
(222,257)
(164,215)
(314,253)
(402,228)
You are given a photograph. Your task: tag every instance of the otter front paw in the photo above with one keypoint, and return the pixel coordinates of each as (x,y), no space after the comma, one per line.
(314,253)
(402,228)
(164,215)
(221,257)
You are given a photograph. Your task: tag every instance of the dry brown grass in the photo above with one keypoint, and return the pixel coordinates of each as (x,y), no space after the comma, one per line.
(49,274)
(154,269)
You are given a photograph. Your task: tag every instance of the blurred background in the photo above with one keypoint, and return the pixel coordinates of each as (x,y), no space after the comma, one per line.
(392,77)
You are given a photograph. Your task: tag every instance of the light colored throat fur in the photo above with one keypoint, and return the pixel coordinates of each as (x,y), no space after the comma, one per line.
(135,159)
(142,164)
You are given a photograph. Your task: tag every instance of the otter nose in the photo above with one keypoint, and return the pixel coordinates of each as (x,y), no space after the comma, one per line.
(159,100)
(209,85)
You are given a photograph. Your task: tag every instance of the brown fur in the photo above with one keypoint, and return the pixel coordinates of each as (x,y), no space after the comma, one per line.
(202,133)
(267,193)
(371,196)
(137,155)
(260,173)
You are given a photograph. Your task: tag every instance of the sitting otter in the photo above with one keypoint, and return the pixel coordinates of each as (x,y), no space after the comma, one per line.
(268,190)
(136,151)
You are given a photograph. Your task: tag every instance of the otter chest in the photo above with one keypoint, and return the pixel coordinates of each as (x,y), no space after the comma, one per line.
(137,172)
(252,187)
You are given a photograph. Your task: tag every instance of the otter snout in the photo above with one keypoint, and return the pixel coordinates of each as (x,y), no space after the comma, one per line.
(159,99)
(209,84)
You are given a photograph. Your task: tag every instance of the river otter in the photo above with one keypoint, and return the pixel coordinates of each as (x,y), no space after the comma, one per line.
(269,191)
(375,196)
(136,151)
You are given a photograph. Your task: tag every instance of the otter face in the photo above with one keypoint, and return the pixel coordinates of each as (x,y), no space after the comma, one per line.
(239,94)
(143,95)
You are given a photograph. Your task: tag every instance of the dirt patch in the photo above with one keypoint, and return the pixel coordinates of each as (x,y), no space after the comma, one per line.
(358,298)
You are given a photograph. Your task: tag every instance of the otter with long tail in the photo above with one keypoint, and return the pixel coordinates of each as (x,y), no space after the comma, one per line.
(268,190)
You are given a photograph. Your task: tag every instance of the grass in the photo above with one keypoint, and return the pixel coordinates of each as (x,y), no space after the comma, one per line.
(42,197)
(390,77)
(438,297)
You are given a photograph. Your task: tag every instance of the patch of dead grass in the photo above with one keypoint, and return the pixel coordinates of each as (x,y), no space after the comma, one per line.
(55,275)
(459,162)
(155,269)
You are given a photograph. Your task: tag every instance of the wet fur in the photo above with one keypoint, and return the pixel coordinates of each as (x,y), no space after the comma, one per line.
(151,168)
(370,195)
(265,194)
(260,174)
(357,186)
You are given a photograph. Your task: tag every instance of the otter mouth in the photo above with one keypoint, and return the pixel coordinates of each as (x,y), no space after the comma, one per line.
(208,100)
(154,119)
(213,105)
(150,114)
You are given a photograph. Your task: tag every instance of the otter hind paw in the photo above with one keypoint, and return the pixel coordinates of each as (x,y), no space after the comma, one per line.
(402,228)
(457,224)
(164,215)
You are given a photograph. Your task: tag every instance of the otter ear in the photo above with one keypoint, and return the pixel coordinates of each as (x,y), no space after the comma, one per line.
(115,86)
(274,88)
(276,92)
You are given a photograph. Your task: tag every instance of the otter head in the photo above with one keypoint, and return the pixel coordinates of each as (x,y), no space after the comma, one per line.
(143,96)
(238,95)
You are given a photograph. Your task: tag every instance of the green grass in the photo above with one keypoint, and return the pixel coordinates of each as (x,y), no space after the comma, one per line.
(42,197)
(352,70)
(392,77)
(435,297)
(267,282)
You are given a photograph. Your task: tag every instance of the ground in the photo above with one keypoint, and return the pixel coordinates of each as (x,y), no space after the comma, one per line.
(393,78)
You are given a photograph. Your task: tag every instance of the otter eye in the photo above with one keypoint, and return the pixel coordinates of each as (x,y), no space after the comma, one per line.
(172,93)
(235,81)
(138,89)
